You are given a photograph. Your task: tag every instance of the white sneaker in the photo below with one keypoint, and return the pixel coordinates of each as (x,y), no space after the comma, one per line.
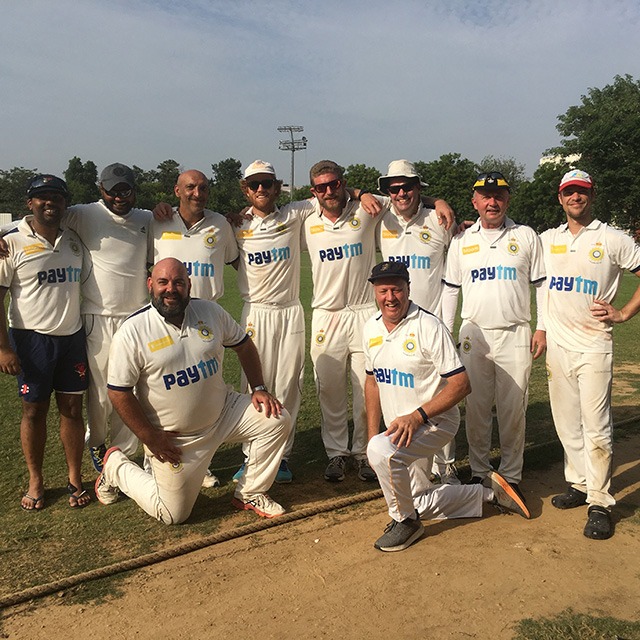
(210,480)
(105,492)
(261,503)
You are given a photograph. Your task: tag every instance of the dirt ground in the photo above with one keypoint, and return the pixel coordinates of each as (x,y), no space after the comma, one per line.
(322,578)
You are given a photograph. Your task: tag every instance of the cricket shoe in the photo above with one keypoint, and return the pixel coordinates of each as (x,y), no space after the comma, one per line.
(105,492)
(261,503)
(400,535)
(210,480)
(505,495)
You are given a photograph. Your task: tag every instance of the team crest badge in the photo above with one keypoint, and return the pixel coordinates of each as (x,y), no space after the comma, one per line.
(24,389)
(466,345)
(596,254)
(205,333)
(75,248)
(320,338)
(81,370)
(355,223)
(409,346)
(549,376)
(251,330)
(177,467)
(513,248)
(425,236)
(210,239)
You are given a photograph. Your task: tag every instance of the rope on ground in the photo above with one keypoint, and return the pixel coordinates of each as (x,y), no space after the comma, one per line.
(149,559)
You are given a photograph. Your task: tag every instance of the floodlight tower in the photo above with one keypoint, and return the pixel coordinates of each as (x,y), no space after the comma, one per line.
(292,145)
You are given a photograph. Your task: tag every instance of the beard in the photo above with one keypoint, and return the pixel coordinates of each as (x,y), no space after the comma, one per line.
(170,310)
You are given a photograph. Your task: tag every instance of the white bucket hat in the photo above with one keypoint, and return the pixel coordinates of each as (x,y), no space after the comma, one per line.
(399,169)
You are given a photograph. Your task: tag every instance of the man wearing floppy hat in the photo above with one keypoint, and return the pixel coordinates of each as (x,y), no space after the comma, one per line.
(494,262)
(415,380)
(45,345)
(585,260)
(412,233)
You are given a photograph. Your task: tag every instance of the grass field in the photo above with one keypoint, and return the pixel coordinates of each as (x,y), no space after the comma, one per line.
(41,547)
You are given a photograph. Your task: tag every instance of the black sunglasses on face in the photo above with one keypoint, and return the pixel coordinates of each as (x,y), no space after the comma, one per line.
(396,188)
(124,193)
(254,185)
(322,188)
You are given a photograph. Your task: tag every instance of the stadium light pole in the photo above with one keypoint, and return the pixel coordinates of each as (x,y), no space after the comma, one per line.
(292,145)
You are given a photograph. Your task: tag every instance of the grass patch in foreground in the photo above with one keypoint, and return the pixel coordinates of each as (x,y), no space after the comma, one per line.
(577,626)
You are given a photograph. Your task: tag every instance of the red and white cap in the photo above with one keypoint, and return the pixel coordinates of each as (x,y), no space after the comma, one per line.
(577,178)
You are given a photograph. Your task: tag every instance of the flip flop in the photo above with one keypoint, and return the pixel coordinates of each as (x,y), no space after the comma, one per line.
(77,501)
(36,502)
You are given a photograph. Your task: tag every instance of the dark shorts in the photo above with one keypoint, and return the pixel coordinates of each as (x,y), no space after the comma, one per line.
(49,363)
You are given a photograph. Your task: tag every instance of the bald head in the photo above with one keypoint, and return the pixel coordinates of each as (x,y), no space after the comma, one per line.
(192,190)
(169,287)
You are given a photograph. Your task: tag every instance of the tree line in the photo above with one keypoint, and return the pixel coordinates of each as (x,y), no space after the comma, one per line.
(603,132)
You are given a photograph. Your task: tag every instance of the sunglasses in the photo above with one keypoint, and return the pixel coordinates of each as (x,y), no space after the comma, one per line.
(334,185)
(254,185)
(396,188)
(124,193)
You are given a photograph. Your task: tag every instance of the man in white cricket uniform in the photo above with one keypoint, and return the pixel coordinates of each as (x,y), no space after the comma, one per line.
(415,380)
(494,262)
(412,233)
(116,235)
(201,238)
(585,259)
(45,346)
(171,353)
(340,238)
(269,283)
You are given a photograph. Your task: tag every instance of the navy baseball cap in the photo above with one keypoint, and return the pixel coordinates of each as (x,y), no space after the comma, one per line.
(491,180)
(389,270)
(45,182)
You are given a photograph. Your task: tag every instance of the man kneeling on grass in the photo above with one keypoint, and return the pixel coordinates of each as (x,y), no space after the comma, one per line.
(171,352)
(415,381)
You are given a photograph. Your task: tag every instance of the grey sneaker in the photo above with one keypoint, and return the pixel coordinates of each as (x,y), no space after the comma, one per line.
(106,493)
(335,469)
(505,495)
(400,535)
(448,474)
(365,472)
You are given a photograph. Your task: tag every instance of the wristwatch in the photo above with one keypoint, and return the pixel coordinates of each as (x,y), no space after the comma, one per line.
(259,387)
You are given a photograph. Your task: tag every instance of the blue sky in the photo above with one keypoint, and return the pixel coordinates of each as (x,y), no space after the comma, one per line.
(200,81)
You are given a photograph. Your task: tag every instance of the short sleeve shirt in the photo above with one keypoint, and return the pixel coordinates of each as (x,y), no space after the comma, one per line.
(580,269)
(176,371)
(411,364)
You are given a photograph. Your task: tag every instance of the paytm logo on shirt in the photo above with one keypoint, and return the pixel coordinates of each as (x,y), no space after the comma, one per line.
(190,375)
(199,269)
(59,275)
(494,273)
(342,252)
(266,257)
(413,261)
(394,377)
(571,283)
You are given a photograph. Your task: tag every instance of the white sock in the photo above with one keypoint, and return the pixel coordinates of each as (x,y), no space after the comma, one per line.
(488,495)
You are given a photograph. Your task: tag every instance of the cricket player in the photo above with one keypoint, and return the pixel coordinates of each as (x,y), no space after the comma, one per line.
(494,262)
(585,259)
(171,353)
(411,233)
(415,380)
(45,345)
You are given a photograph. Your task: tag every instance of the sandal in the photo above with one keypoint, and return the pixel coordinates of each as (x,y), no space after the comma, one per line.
(36,501)
(78,500)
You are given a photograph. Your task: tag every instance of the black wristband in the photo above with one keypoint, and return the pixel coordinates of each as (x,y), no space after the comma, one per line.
(423,415)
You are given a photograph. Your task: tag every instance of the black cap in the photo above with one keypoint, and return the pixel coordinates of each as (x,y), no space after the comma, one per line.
(491,180)
(389,270)
(44,183)
(116,173)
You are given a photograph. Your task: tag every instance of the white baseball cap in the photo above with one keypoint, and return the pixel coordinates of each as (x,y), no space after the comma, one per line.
(259,166)
(399,169)
(576,177)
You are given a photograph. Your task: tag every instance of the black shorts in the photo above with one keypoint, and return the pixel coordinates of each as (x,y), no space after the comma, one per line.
(50,363)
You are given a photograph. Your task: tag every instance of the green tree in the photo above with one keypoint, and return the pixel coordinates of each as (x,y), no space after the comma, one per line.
(450,177)
(82,178)
(156,185)
(226,195)
(360,176)
(13,187)
(536,201)
(512,170)
(605,131)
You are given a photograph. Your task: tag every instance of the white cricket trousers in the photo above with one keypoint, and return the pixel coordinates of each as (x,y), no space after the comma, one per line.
(405,485)
(580,397)
(169,492)
(100,412)
(498,363)
(278,334)
(336,348)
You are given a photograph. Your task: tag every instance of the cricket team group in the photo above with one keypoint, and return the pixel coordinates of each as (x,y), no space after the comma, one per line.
(118,305)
